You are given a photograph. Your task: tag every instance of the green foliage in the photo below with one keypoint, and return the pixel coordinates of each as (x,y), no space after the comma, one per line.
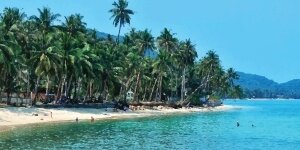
(73,63)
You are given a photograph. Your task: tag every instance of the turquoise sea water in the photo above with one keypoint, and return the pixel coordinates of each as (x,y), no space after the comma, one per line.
(277,126)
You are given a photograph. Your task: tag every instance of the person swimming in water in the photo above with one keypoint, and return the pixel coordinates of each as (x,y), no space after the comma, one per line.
(237,124)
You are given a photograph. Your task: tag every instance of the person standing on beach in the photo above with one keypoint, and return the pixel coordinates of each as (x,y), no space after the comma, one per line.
(51,114)
(76,119)
(92,119)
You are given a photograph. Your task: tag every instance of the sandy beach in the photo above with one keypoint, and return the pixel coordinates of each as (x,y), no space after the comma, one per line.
(13,116)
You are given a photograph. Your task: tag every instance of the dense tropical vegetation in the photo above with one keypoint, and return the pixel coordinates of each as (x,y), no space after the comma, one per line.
(68,60)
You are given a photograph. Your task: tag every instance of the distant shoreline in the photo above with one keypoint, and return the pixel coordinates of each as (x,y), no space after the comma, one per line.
(13,117)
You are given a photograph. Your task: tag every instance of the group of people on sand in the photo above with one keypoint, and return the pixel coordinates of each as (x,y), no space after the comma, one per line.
(92,118)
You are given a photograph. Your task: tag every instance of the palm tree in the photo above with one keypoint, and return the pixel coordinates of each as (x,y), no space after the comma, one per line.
(11,17)
(166,41)
(6,57)
(44,22)
(209,71)
(72,36)
(161,67)
(144,42)
(45,55)
(185,55)
(46,60)
(121,15)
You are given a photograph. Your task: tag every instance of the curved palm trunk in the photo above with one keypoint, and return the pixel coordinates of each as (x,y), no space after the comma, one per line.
(204,84)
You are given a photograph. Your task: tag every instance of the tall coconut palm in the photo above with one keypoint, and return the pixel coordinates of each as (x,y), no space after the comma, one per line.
(6,57)
(144,41)
(45,41)
(46,59)
(11,19)
(166,41)
(161,66)
(72,37)
(185,55)
(121,15)
(44,22)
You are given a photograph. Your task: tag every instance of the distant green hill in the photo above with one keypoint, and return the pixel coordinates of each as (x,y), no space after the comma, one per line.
(256,86)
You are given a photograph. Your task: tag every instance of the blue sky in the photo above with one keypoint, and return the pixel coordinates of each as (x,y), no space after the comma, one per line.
(253,36)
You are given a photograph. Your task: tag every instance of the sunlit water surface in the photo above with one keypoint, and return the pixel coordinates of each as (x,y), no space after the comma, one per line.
(276,126)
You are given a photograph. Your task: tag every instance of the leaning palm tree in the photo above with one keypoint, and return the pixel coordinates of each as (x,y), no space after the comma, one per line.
(121,15)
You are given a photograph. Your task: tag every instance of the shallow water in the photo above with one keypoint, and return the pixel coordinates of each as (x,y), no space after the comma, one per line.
(277,126)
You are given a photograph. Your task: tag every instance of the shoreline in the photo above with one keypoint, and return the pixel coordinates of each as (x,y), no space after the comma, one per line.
(13,117)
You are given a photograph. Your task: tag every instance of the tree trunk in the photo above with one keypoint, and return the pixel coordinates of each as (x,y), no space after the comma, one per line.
(0,94)
(160,87)
(87,91)
(151,94)
(183,84)
(91,90)
(28,85)
(36,90)
(62,87)
(118,40)
(135,94)
(8,102)
(58,90)
(176,86)
(47,87)
(69,86)
(78,96)
(75,90)
(145,91)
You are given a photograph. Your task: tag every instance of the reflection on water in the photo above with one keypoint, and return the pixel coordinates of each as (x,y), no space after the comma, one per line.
(276,127)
